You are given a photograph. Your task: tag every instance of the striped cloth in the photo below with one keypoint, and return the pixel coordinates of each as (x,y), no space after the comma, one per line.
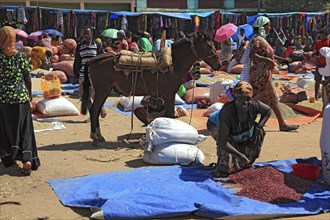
(87,51)
(245,74)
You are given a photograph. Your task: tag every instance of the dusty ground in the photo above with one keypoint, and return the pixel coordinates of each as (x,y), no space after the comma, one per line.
(69,153)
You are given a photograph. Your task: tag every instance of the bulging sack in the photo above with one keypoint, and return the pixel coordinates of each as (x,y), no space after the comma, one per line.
(165,130)
(129,58)
(127,102)
(218,88)
(174,153)
(57,107)
(166,57)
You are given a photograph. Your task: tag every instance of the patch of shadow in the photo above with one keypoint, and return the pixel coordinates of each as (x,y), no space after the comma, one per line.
(13,170)
(136,163)
(87,145)
(83,212)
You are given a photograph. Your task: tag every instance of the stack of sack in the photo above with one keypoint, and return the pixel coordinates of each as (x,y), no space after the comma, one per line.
(171,141)
(63,58)
(53,104)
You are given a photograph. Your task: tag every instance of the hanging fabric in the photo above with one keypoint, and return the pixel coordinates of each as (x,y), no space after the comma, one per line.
(59,21)
(21,16)
(217,20)
(197,23)
(161,24)
(169,23)
(124,23)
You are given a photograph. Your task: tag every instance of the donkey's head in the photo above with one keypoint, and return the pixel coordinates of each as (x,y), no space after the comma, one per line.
(204,49)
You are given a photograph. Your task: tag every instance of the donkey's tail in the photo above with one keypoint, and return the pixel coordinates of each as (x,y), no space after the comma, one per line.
(87,83)
(85,88)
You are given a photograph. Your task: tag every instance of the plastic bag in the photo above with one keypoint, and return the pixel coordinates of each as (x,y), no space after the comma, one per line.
(51,88)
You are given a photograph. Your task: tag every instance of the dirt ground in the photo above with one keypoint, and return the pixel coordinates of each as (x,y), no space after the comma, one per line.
(70,153)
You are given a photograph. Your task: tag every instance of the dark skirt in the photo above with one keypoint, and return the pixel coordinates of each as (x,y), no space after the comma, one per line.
(17,139)
(228,163)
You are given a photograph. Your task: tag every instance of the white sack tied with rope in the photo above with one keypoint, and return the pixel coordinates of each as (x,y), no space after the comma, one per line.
(165,130)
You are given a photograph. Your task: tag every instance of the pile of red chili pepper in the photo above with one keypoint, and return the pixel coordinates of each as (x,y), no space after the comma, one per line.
(267,184)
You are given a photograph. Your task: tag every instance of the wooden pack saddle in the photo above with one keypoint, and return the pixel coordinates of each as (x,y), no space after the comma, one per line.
(150,60)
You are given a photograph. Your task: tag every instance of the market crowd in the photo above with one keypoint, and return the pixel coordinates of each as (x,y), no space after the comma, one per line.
(239,136)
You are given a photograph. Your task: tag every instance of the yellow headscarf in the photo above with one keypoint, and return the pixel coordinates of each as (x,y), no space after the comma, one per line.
(260,23)
(8,40)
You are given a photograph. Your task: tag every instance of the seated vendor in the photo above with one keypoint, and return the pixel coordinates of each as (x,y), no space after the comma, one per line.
(239,137)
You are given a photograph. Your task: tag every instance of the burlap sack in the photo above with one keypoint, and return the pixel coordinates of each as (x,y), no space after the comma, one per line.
(129,58)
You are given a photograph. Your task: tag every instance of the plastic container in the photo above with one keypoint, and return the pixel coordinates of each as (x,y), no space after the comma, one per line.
(325,144)
(283,72)
(182,91)
(306,170)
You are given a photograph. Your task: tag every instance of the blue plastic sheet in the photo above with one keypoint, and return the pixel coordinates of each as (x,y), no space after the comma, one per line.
(113,106)
(170,191)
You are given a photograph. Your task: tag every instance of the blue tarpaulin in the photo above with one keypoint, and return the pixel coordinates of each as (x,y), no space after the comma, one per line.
(201,14)
(184,16)
(169,191)
(126,13)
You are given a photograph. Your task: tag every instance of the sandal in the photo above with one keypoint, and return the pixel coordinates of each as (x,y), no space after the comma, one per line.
(27,168)
(211,166)
(289,128)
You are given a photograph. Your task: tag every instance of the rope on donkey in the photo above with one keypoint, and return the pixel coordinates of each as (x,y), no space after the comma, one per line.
(196,74)
(133,90)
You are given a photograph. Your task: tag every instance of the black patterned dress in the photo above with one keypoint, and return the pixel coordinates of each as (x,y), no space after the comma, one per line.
(17,139)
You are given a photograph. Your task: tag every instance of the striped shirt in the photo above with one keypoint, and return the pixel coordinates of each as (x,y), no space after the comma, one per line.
(84,53)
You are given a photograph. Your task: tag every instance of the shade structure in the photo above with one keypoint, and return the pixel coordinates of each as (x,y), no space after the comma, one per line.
(248,31)
(21,33)
(53,32)
(111,33)
(225,32)
(35,35)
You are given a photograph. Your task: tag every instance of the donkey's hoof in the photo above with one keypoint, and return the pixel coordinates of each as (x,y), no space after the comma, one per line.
(101,139)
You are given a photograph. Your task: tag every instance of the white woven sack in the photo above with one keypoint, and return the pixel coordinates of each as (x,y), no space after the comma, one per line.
(214,107)
(57,107)
(174,153)
(178,100)
(127,102)
(164,130)
(218,88)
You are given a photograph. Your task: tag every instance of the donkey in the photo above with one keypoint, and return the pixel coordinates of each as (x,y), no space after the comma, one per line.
(103,75)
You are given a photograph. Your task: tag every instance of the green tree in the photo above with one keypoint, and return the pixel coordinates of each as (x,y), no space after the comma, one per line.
(294,5)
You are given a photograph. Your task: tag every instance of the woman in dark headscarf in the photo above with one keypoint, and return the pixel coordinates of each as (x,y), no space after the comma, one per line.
(258,60)
(239,137)
(17,139)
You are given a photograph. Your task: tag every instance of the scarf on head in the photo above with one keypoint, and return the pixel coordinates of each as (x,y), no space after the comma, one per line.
(260,23)
(8,41)
(243,88)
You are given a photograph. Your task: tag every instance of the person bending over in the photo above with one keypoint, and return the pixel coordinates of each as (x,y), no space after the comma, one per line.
(239,137)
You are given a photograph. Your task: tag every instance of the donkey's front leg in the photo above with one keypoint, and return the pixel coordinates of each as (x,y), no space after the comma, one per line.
(169,106)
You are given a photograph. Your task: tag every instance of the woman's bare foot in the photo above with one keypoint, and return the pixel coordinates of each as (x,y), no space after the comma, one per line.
(27,168)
